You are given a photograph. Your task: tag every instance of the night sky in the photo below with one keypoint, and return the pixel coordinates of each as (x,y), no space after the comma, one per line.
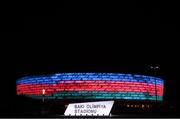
(123,37)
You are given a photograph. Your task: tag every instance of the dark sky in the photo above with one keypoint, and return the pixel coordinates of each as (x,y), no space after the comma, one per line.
(40,38)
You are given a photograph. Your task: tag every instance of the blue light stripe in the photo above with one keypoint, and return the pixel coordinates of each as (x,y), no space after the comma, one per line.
(52,79)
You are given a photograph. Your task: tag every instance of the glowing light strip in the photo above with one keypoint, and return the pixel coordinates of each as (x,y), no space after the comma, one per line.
(90,86)
(53,79)
(100,95)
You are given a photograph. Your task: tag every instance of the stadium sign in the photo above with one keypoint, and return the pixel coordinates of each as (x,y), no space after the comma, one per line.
(101,108)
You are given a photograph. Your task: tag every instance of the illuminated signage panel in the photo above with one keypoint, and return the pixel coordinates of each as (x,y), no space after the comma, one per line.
(102,108)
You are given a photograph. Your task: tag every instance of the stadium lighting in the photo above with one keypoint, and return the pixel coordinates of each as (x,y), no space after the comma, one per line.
(43,93)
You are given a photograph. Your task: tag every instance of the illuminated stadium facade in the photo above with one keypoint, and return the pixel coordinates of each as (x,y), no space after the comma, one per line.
(92,86)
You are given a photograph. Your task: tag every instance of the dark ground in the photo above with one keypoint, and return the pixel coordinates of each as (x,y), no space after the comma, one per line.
(124,37)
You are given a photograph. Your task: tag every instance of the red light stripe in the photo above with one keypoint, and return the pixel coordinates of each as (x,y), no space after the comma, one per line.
(89,86)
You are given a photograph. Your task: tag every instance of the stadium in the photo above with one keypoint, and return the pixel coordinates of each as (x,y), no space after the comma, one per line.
(131,92)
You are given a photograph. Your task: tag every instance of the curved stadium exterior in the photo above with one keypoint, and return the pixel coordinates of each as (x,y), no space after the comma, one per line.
(95,86)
